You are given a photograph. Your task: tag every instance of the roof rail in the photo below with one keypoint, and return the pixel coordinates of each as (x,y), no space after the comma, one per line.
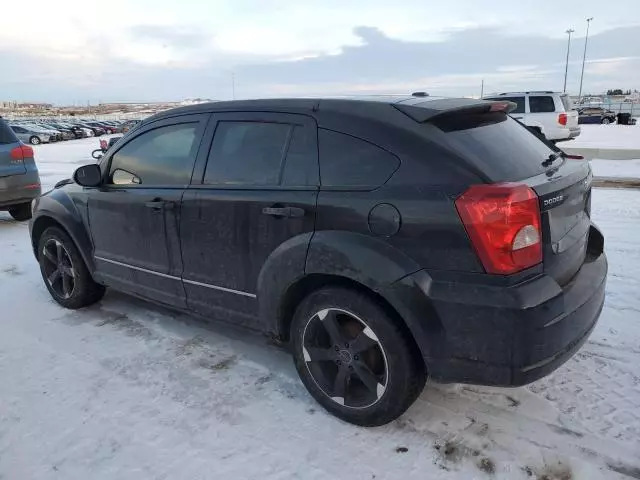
(527,92)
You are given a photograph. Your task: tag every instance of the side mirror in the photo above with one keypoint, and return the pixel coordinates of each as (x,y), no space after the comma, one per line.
(88,175)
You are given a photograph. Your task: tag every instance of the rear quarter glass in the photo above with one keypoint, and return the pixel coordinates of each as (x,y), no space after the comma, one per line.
(501,148)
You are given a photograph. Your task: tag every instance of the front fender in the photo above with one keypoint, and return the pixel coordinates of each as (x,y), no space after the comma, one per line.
(71,214)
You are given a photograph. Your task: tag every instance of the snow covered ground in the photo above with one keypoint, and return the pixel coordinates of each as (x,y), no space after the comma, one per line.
(616,168)
(607,136)
(126,390)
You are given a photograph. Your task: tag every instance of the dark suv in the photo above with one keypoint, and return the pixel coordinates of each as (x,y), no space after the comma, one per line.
(19,178)
(382,240)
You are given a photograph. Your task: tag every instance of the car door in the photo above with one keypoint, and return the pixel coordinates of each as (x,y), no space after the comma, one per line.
(255,191)
(134,215)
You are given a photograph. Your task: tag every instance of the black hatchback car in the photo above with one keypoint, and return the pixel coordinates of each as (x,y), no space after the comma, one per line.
(383,241)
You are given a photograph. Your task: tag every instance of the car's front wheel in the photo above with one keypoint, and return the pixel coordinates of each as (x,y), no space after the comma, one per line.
(606,121)
(35,140)
(354,357)
(64,272)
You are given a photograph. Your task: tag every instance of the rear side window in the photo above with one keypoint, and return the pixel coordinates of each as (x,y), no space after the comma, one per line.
(247,153)
(6,134)
(496,144)
(347,161)
(519,101)
(541,104)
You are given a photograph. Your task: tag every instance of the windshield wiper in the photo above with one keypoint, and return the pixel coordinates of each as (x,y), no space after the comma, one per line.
(552,158)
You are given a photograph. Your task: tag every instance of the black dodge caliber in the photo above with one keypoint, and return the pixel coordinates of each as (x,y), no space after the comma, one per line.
(383,240)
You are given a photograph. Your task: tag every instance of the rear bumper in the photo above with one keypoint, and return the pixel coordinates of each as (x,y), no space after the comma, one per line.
(18,189)
(568,134)
(503,335)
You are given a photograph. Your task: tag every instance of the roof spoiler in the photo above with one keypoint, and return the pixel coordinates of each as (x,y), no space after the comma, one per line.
(429,110)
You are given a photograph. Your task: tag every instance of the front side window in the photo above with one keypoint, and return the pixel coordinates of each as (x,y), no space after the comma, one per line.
(162,156)
(247,153)
(541,104)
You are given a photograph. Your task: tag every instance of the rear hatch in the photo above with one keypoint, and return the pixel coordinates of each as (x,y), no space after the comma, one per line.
(10,163)
(500,150)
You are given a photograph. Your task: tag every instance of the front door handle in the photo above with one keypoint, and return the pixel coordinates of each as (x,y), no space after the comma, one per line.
(158,205)
(283,212)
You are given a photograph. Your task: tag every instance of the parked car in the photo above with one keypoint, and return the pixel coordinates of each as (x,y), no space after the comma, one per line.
(109,129)
(382,241)
(54,135)
(76,131)
(19,179)
(30,134)
(546,113)
(61,132)
(130,125)
(97,130)
(88,131)
(597,115)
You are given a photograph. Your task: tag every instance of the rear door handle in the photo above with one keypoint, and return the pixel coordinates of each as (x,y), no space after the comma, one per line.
(158,205)
(283,212)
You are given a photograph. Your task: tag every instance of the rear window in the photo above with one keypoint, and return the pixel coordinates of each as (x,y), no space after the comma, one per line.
(541,104)
(6,134)
(498,145)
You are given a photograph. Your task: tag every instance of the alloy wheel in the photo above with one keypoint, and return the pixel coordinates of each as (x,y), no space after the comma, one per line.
(345,358)
(58,268)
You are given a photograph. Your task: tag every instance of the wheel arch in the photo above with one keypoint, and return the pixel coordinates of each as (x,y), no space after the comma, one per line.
(356,261)
(62,213)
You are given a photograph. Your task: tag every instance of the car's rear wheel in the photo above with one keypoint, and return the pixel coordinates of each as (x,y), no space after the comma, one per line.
(64,272)
(355,359)
(21,212)
(35,140)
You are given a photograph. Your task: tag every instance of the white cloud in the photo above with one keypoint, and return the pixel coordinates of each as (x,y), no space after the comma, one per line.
(71,44)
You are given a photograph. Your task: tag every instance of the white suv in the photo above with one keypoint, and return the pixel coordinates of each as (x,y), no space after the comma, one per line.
(547,113)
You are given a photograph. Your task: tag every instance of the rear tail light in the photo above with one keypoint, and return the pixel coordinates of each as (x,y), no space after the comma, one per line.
(562,119)
(503,223)
(21,152)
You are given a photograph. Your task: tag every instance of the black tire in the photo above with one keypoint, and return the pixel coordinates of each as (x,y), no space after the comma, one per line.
(404,375)
(35,140)
(21,212)
(84,291)
(606,121)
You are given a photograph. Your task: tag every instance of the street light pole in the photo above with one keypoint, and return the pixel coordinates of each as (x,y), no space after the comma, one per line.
(233,85)
(566,67)
(584,57)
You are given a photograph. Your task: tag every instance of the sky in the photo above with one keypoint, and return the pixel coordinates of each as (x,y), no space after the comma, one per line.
(74,52)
